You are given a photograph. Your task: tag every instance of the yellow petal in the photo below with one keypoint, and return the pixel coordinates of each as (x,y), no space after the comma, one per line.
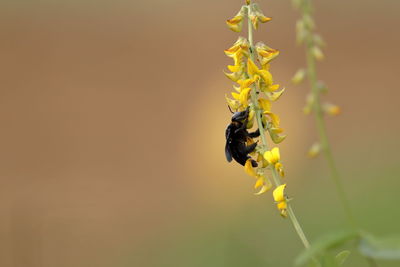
(266,76)
(232,76)
(275,95)
(276,154)
(251,67)
(331,109)
(264,104)
(273,87)
(279,169)
(235,95)
(274,118)
(262,190)
(244,96)
(254,20)
(263,18)
(235,24)
(259,182)
(245,83)
(249,168)
(276,138)
(282,207)
(237,89)
(234,104)
(272,156)
(279,193)
(234,68)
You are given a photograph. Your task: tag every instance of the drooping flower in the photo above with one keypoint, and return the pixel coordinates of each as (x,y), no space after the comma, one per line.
(281,199)
(331,109)
(264,183)
(236,23)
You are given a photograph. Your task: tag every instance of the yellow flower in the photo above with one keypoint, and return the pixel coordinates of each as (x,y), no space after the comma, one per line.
(331,109)
(238,52)
(256,16)
(266,53)
(240,44)
(249,168)
(279,193)
(234,76)
(253,71)
(275,134)
(280,199)
(244,97)
(236,23)
(264,162)
(274,118)
(245,83)
(314,150)
(272,156)
(264,183)
(273,96)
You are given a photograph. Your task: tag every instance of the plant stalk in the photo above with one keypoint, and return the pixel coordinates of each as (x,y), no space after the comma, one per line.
(322,132)
(258,114)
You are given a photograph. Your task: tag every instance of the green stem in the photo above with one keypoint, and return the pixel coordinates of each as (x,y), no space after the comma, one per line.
(258,114)
(322,132)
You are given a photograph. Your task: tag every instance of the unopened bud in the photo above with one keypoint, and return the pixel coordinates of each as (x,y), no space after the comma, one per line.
(314,150)
(317,53)
(299,76)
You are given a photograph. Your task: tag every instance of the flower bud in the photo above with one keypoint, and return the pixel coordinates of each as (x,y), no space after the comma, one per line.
(314,150)
(299,76)
(317,53)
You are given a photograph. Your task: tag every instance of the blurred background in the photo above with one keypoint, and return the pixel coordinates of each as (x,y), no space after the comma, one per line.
(112,119)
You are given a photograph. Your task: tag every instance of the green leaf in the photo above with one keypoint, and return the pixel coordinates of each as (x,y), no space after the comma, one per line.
(341,257)
(324,243)
(387,248)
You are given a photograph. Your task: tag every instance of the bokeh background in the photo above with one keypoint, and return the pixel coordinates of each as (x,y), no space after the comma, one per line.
(112,118)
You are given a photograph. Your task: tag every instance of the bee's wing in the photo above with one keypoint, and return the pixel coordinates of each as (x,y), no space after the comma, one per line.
(228,152)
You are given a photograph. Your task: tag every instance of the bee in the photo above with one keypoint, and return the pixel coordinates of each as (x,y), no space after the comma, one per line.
(237,136)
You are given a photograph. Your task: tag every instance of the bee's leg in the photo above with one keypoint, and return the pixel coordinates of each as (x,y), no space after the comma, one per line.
(251,148)
(255,133)
(253,162)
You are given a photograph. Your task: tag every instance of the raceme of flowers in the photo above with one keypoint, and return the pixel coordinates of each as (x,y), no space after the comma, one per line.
(255,89)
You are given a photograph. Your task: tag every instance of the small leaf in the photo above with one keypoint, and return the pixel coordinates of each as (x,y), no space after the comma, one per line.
(387,248)
(341,257)
(326,242)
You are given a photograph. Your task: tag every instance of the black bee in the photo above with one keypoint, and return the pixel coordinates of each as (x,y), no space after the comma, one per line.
(236,137)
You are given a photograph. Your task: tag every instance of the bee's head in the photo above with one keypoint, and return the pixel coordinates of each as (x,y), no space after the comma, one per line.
(240,116)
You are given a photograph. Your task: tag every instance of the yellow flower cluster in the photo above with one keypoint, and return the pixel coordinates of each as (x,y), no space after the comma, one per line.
(255,89)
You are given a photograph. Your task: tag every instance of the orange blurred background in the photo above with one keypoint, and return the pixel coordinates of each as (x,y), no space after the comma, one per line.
(113,116)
